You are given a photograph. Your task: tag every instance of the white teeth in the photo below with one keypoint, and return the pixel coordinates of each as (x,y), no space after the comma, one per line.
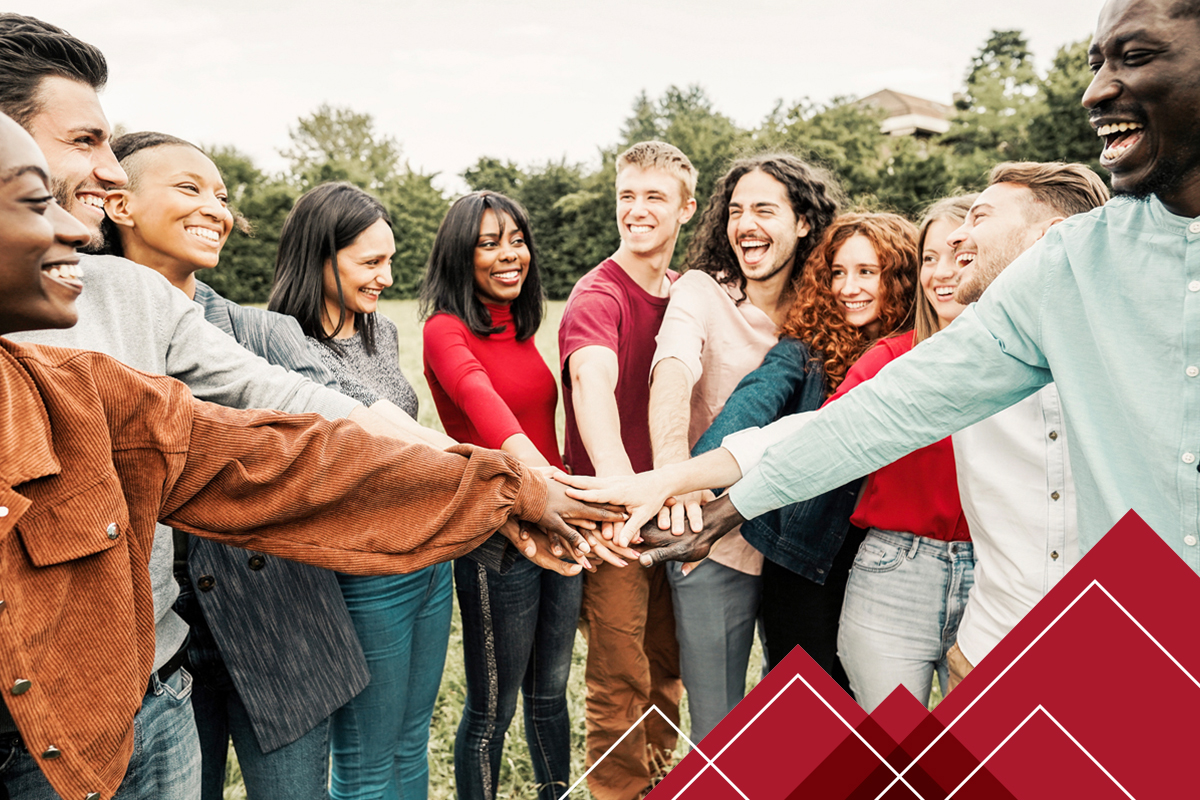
(371,292)
(943,291)
(1118,127)
(507,276)
(964,258)
(857,305)
(753,243)
(204,233)
(66,272)
(640,228)
(90,200)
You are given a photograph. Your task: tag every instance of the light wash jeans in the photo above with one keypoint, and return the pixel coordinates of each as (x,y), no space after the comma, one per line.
(716,608)
(904,600)
(380,739)
(165,764)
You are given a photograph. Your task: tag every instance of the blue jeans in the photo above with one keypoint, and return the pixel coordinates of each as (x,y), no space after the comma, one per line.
(165,764)
(297,770)
(716,608)
(518,634)
(903,604)
(380,739)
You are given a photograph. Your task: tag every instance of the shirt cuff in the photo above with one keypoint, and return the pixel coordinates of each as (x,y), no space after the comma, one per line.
(332,405)
(748,446)
(533,495)
(752,497)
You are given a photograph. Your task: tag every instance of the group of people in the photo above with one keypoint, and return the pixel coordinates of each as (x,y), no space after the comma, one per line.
(177,575)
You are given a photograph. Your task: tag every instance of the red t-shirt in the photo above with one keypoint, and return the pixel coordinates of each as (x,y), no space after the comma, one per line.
(919,493)
(489,388)
(607,308)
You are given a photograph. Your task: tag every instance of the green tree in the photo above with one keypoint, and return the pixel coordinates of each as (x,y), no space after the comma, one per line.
(1061,132)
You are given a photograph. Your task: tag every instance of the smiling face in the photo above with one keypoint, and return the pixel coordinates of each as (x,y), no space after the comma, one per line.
(365,270)
(940,271)
(998,228)
(763,228)
(501,259)
(1144,100)
(73,134)
(175,218)
(855,286)
(39,268)
(650,210)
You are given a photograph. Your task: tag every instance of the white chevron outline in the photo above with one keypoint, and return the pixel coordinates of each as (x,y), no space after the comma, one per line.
(899,775)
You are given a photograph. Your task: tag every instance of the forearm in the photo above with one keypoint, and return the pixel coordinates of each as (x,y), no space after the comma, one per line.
(670,411)
(712,470)
(522,448)
(385,418)
(599,423)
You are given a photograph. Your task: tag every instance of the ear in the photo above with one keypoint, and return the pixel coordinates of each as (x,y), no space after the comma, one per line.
(689,208)
(802,227)
(1046,225)
(116,205)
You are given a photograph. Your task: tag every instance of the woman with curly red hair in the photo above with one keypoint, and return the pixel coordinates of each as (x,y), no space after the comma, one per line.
(857,286)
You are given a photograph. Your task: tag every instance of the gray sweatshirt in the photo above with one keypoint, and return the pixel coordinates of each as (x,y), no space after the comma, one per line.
(133,314)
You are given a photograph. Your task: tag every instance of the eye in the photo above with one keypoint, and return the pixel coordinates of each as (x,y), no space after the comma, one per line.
(518,241)
(40,204)
(1136,58)
(487,244)
(1095,65)
(223,199)
(929,258)
(188,187)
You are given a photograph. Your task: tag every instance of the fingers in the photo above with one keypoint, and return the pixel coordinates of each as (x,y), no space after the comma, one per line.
(577,481)
(544,554)
(581,523)
(664,516)
(695,518)
(674,552)
(679,513)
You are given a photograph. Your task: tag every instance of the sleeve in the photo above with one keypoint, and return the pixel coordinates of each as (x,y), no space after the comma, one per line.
(952,380)
(760,397)
(683,333)
(750,445)
(218,369)
(592,317)
(449,357)
(330,494)
(288,347)
(865,368)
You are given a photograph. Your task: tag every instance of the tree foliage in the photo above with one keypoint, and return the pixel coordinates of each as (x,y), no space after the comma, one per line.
(1006,111)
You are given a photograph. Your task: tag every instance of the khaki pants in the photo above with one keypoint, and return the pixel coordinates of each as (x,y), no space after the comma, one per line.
(958,665)
(632,664)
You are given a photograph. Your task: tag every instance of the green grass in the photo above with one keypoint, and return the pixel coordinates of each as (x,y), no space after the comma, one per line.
(516,774)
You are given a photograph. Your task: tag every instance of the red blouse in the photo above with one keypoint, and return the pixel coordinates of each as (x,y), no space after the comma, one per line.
(919,493)
(489,388)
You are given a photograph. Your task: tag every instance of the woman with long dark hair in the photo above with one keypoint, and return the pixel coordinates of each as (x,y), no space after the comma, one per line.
(483,303)
(334,260)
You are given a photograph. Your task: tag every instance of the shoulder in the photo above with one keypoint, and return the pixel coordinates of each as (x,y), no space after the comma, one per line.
(695,283)
(444,324)
(66,366)
(121,277)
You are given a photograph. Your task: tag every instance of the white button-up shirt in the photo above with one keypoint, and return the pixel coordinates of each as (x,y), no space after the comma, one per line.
(1014,479)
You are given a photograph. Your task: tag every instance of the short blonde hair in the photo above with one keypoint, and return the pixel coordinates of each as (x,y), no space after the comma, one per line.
(663,157)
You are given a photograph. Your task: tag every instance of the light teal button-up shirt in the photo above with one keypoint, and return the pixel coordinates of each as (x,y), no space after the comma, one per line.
(1107,306)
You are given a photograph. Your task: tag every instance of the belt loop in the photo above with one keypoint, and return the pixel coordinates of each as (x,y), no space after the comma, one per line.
(912,551)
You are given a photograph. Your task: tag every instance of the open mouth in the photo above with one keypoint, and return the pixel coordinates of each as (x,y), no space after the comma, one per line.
(68,273)
(638,229)
(964,259)
(510,278)
(856,305)
(1118,138)
(754,250)
(944,292)
(91,200)
(371,293)
(207,234)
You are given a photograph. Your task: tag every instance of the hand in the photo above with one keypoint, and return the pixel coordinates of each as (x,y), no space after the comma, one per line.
(560,507)
(539,548)
(684,508)
(720,517)
(642,495)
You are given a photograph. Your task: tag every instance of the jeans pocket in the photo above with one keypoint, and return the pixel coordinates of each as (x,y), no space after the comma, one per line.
(876,555)
(177,697)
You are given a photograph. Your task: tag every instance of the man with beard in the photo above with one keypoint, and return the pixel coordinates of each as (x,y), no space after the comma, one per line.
(1106,305)
(765,215)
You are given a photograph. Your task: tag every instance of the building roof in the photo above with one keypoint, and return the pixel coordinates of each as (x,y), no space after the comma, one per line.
(908,115)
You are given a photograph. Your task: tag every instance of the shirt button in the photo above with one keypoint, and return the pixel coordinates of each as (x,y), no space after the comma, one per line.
(112,530)
(1054,556)
(51,752)
(257,562)
(1194,286)
(1053,435)
(1194,227)
(22,686)
(206,583)
(1189,540)
(1054,495)
(1189,458)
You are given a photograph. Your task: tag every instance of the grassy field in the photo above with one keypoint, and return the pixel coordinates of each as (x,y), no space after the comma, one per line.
(516,776)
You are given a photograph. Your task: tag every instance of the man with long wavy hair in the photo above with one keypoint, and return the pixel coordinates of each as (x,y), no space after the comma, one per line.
(763,219)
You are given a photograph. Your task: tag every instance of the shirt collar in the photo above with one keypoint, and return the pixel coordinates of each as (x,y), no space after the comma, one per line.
(26,445)
(1162,217)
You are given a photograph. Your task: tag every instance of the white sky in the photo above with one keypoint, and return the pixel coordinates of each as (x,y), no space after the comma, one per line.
(528,80)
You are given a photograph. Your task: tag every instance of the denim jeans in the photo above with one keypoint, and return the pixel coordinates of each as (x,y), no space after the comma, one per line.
(518,633)
(297,770)
(716,608)
(165,764)
(903,604)
(380,739)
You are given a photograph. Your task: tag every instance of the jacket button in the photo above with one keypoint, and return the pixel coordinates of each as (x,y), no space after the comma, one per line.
(257,562)
(206,583)
(51,752)
(112,530)
(22,686)
(92,796)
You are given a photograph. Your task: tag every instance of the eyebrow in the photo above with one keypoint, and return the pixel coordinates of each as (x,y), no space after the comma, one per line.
(1124,39)
(17,172)
(99,133)
(979,206)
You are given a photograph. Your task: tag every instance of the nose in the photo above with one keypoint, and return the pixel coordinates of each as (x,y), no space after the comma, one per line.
(106,169)
(385,275)
(946,267)
(850,286)
(215,210)
(1101,90)
(67,230)
(508,252)
(957,236)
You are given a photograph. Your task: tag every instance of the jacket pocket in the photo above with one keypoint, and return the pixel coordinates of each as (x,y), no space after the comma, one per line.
(86,522)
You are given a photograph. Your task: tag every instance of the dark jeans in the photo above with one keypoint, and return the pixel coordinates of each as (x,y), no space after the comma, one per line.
(798,612)
(518,633)
(297,770)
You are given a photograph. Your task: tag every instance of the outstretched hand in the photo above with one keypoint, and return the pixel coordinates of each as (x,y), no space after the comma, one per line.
(720,517)
(643,496)
(540,548)
(560,508)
